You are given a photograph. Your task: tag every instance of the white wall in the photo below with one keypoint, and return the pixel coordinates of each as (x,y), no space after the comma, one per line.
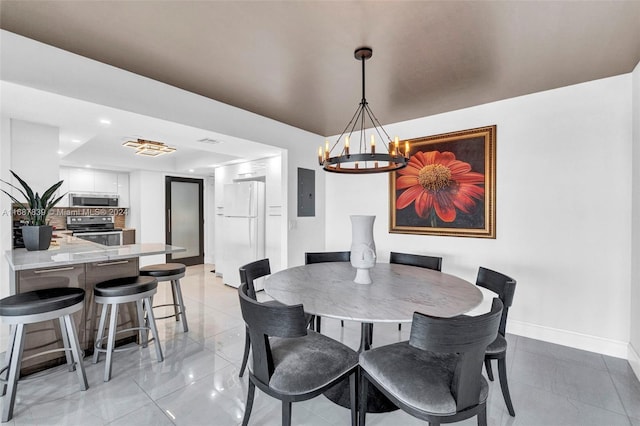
(209,220)
(34,154)
(6,231)
(147,210)
(563,211)
(82,78)
(634,345)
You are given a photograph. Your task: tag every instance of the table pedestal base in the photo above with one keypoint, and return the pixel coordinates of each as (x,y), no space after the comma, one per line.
(377,402)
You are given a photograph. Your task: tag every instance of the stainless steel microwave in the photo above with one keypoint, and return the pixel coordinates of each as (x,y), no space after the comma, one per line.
(93,200)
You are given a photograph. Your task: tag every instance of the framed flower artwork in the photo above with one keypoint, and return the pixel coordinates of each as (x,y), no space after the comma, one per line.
(448,187)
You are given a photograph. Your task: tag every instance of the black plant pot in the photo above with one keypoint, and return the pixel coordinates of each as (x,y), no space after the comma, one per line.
(37,237)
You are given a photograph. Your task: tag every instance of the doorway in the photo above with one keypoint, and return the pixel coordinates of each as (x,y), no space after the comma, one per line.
(185,219)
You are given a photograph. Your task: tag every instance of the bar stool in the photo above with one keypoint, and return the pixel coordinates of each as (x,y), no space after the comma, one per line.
(36,306)
(170,272)
(116,292)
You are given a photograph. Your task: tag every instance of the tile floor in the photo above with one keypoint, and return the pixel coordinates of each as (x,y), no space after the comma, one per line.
(198,382)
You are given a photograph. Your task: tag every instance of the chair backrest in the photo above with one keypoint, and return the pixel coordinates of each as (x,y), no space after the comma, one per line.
(466,336)
(503,286)
(264,320)
(327,256)
(429,262)
(252,271)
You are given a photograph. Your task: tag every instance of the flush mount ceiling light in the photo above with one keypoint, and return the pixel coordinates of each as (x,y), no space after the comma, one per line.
(367,160)
(149,148)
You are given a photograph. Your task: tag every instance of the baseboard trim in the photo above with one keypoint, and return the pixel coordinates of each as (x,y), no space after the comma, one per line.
(634,360)
(614,348)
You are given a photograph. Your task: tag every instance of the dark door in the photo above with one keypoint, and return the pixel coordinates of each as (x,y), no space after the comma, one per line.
(185,219)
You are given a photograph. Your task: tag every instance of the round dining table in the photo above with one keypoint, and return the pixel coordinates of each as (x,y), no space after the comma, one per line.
(396,292)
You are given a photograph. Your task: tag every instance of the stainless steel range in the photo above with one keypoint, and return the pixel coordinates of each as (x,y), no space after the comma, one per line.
(97,229)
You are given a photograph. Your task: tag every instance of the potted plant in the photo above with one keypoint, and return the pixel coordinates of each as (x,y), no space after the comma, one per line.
(36,234)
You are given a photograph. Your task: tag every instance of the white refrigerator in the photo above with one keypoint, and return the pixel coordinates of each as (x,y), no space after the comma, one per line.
(243,229)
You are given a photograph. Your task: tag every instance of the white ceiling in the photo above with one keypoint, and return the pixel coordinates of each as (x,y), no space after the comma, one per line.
(293,61)
(84,140)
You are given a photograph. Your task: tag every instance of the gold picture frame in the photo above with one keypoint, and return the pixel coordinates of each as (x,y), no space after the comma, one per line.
(449,186)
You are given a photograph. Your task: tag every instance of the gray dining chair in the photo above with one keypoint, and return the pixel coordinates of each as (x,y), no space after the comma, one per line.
(505,288)
(437,375)
(290,362)
(248,274)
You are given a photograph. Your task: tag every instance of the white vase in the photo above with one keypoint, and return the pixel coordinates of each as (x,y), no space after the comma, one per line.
(363,248)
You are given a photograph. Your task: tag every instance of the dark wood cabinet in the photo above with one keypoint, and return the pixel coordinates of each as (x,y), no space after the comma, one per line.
(103,271)
(45,336)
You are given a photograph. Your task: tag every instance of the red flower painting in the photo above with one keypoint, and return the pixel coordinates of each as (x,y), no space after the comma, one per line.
(437,182)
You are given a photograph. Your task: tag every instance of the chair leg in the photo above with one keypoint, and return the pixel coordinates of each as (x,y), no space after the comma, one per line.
(286,413)
(14,373)
(183,311)
(362,400)
(318,324)
(65,343)
(353,391)
(143,332)
(175,300)
(111,341)
(487,366)
(249,404)
(245,357)
(482,415)
(76,351)
(7,357)
(154,329)
(103,319)
(502,372)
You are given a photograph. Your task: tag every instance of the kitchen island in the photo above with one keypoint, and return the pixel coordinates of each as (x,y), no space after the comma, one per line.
(74,262)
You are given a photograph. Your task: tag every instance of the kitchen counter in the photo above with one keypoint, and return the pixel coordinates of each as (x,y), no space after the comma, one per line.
(73,262)
(73,250)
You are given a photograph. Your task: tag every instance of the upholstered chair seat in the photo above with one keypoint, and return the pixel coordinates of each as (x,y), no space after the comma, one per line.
(308,363)
(411,373)
(497,346)
(437,375)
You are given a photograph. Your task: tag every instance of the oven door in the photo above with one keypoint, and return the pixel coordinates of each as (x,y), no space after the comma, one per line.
(108,238)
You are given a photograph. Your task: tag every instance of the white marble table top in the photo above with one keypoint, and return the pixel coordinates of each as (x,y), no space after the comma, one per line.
(397,291)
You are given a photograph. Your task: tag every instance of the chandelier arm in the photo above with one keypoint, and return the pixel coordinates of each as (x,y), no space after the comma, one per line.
(363,142)
(355,120)
(377,129)
(354,117)
(375,122)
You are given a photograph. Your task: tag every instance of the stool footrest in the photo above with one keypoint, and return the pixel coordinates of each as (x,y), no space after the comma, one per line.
(50,351)
(98,345)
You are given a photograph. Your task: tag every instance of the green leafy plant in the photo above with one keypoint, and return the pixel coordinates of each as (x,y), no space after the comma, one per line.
(37,207)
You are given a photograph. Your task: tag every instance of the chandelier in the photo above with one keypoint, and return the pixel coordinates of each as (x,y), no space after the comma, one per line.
(149,148)
(391,156)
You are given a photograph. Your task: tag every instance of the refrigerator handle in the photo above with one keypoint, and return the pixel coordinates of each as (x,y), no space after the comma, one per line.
(169,221)
(250,229)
